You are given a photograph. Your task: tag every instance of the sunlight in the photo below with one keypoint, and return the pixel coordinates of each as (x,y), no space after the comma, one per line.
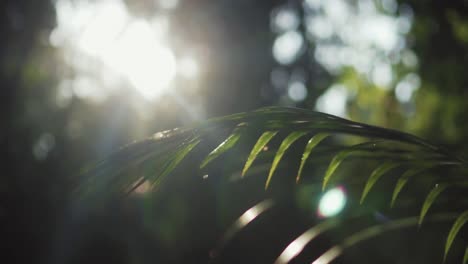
(298,245)
(287,47)
(143,188)
(102,39)
(329,256)
(382,75)
(284,19)
(188,67)
(168,4)
(406,87)
(291,251)
(333,101)
(43,146)
(140,57)
(297,91)
(249,215)
(360,35)
(332,202)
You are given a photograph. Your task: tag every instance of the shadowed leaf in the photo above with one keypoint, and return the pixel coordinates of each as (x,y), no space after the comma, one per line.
(223,147)
(336,161)
(374,231)
(261,143)
(276,118)
(461,220)
(175,160)
(296,246)
(402,182)
(245,219)
(375,176)
(431,197)
(465,256)
(115,173)
(287,142)
(313,142)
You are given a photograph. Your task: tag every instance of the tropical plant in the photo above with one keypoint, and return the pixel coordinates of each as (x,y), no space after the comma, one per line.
(365,159)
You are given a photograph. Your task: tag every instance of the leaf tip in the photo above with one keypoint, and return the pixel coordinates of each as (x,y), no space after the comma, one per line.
(362,199)
(205,162)
(394,197)
(243,173)
(267,184)
(421,219)
(445,258)
(420,223)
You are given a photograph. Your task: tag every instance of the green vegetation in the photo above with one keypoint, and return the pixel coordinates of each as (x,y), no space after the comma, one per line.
(401,155)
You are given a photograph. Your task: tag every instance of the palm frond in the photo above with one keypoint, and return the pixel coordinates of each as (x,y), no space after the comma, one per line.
(287,142)
(313,142)
(459,223)
(377,230)
(261,143)
(153,159)
(465,257)
(376,174)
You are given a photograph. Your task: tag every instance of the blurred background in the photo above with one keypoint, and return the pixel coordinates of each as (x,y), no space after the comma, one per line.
(79,79)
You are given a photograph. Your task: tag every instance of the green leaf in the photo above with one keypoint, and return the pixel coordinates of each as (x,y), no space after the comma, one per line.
(261,142)
(374,231)
(223,147)
(461,220)
(313,142)
(431,197)
(291,138)
(115,173)
(336,161)
(176,159)
(375,176)
(402,182)
(465,257)
(363,235)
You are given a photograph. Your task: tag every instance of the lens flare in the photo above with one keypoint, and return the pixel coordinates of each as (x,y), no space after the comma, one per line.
(102,38)
(332,202)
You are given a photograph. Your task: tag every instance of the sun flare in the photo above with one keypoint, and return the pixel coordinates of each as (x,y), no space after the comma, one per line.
(104,33)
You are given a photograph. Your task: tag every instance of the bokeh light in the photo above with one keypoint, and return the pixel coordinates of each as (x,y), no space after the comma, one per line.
(43,146)
(284,19)
(365,36)
(107,47)
(362,41)
(188,67)
(168,4)
(333,101)
(297,91)
(406,87)
(332,202)
(287,47)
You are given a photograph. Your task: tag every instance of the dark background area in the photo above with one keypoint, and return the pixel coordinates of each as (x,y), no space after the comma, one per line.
(45,143)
